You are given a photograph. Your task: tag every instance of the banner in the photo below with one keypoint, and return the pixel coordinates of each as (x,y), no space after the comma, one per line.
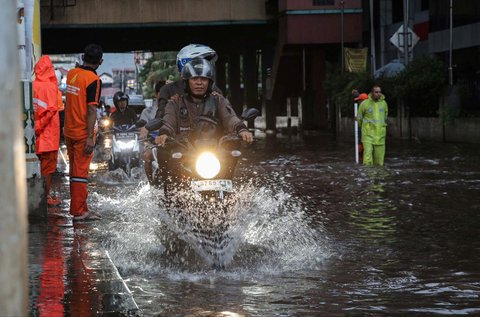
(356,59)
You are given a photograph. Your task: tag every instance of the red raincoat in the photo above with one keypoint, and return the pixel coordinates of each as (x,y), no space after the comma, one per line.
(46,106)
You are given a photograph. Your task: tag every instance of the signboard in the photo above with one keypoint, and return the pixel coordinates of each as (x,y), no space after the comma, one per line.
(397,39)
(356,59)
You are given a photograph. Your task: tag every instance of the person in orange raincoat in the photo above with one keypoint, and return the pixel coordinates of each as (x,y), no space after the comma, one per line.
(82,99)
(359,98)
(47,121)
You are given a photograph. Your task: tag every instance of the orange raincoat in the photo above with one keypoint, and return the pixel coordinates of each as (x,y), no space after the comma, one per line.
(46,106)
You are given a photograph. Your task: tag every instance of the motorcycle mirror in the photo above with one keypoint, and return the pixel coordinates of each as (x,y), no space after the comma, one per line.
(140,123)
(250,113)
(154,124)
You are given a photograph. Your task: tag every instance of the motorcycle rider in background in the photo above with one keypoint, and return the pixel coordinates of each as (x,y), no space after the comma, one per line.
(147,115)
(123,114)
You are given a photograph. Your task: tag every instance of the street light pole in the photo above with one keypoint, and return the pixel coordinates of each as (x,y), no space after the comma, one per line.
(372,40)
(342,7)
(450,67)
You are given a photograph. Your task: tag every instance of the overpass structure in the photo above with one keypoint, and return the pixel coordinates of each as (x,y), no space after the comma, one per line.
(269,51)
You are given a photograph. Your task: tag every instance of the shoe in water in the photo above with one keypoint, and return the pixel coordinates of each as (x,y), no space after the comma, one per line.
(88,216)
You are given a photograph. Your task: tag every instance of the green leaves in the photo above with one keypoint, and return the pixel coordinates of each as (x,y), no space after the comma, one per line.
(161,66)
(420,85)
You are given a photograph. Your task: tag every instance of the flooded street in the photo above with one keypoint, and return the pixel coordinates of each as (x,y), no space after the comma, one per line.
(312,234)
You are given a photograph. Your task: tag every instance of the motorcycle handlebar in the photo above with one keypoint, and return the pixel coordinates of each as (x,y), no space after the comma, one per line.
(186,144)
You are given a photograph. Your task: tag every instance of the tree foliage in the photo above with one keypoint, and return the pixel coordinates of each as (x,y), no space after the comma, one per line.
(161,66)
(420,85)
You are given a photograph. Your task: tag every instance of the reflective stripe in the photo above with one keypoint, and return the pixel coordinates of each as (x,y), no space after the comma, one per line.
(41,103)
(72,90)
(373,121)
(79,180)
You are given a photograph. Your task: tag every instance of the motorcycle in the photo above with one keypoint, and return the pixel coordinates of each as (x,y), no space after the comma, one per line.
(199,187)
(123,147)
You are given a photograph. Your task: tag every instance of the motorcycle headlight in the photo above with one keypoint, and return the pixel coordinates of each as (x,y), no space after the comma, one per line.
(105,123)
(207,165)
(126,145)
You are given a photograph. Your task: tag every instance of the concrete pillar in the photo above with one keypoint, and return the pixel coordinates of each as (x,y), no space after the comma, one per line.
(268,110)
(220,79)
(29,48)
(251,87)
(300,115)
(251,78)
(13,225)
(234,83)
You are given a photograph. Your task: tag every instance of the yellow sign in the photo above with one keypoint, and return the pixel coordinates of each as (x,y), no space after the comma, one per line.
(356,59)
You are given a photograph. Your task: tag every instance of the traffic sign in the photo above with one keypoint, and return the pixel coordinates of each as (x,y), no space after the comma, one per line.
(397,39)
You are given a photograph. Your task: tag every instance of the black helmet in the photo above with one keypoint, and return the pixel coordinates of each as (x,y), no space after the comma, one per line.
(119,95)
(198,67)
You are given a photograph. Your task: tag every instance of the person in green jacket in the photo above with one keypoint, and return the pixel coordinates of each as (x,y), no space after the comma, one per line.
(372,118)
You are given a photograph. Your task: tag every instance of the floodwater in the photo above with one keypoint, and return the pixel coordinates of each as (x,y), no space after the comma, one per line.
(312,234)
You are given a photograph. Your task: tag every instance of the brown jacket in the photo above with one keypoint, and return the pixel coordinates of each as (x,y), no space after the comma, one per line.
(181,116)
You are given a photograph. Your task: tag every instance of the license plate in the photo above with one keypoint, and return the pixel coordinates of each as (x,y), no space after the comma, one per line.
(125,135)
(213,184)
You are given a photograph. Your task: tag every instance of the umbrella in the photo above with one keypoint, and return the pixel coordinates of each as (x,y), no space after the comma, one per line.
(390,70)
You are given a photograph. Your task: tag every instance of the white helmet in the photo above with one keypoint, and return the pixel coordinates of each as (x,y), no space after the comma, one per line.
(195,51)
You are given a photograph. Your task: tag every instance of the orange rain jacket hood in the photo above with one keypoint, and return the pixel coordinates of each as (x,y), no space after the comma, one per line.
(46,106)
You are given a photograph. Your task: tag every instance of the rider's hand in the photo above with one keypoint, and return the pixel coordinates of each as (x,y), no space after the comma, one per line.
(160,140)
(246,136)
(143,133)
(175,97)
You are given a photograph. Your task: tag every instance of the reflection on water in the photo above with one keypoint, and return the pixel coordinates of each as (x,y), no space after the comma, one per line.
(65,283)
(374,213)
(52,279)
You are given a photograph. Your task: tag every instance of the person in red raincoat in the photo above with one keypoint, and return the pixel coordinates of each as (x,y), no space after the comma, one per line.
(47,121)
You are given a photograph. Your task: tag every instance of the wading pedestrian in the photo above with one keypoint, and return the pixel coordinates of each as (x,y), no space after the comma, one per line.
(372,118)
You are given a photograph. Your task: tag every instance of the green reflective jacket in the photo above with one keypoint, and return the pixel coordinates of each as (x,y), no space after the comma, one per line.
(372,117)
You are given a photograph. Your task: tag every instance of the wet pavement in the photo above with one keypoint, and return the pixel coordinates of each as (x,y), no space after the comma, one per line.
(314,235)
(70,274)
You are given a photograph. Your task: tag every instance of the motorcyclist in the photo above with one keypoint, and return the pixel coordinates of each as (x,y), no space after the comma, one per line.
(176,89)
(184,115)
(147,115)
(123,114)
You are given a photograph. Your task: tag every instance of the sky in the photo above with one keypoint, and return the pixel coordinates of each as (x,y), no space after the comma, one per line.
(116,60)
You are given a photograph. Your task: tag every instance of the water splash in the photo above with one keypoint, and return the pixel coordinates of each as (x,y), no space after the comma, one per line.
(268,232)
(119,177)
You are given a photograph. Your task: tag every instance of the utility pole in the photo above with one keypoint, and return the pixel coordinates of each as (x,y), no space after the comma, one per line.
(405,32)
(372,40)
